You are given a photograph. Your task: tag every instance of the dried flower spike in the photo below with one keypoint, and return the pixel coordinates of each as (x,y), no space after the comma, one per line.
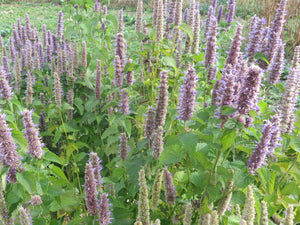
(143,203)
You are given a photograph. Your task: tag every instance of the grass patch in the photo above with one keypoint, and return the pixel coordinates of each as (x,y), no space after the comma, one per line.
(39,13)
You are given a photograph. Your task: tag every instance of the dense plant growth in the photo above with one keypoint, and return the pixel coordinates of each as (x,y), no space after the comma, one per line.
(173,119)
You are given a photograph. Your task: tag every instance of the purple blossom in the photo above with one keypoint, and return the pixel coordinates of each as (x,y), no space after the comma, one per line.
(235,47)
(4,86)
(162,102)
(104,213)
(220,13)
(95,161)
(258,156)
(150,123)
(123,146)
(91,199)
(157,142)
(187,95)
(32,135)
(124,102)
(170,191)
(98,80)
(8,148)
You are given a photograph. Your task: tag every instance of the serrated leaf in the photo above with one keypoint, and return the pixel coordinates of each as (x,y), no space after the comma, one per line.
(58,172)
(228,110)
(26,179)
(78,104)
(171,155)
(189,141)
(169,61)
(50,156)
(186,28)
(109,131)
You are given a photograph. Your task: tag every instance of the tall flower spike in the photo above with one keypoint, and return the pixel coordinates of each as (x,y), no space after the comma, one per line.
(258,156)
(160,22)
(249,208)
(170,18)
(25,217)
(104,213)
(187,95)
(29,89)
(124,102)
(170,191)
(150,123)
(57,89)
(277,64)
(143,203)
(255,37)
(91,199)
(123,146)
(95,161)
(5,88)
(121,49)
(155,9)
(220,13)
(120,22)
(224,203)
(290,95)
(157,222)
(83,58)
(196,36)
(162,102)
(118,75)
(289,218)
(156,189)
(264,220)
(98,80)
(191,20)
(139,17)
(275,32)
(275,136)
(214,218)
(157,142)
(187,220)
(60,26)
(6,68)
(32,136)
(8,152)
(235,49)
(231,8)
(250,90)
(208,23)
(4,217)
(211,49)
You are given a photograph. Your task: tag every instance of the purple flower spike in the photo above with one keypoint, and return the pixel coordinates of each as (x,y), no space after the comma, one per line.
(32,135)
(187,95)
(258,156)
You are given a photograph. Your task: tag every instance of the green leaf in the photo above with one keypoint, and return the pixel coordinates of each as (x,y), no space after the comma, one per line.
(58,173)
(27,180)
(290,189)
(169,61)
(78,104)
(189,141)
(109,131)
(57,136)
(295,144)
(171,154)
(228,110)
(228,139)
(186,28)
(261,56)
(50,156)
